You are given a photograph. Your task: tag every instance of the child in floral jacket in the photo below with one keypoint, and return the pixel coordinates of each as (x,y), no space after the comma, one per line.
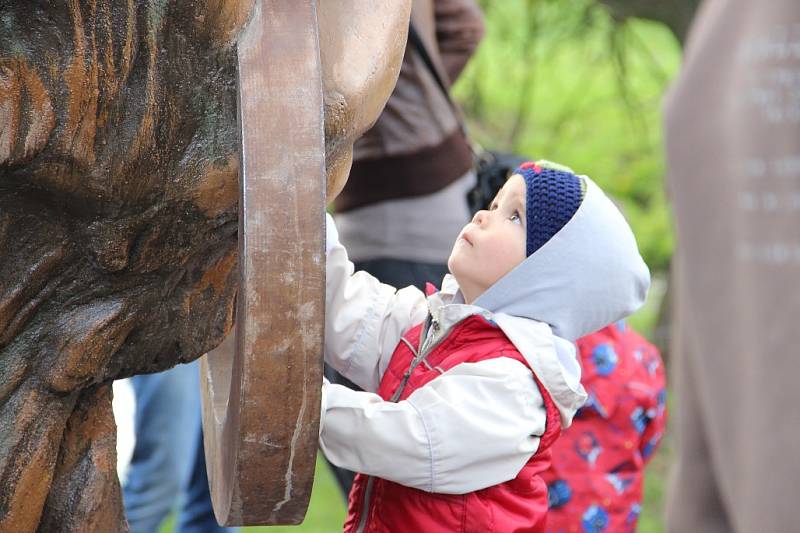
(596,479)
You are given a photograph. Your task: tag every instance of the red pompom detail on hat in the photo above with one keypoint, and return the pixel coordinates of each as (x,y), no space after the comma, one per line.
(530,165)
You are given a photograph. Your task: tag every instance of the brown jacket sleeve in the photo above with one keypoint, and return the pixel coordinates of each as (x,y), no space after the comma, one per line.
(459,29)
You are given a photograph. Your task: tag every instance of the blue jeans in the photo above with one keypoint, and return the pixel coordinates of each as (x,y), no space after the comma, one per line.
(168,466)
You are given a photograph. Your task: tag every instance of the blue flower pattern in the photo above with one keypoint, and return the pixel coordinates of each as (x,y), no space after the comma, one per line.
(558,494)
(639,418)
(634,513)
(620,483)
(605,359)
(650,446)
(595,519)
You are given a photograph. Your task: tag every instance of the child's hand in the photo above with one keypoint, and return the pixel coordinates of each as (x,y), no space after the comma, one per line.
(331,234)
(324,402)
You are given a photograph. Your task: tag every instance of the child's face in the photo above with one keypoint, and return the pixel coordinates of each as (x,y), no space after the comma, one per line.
(492,244)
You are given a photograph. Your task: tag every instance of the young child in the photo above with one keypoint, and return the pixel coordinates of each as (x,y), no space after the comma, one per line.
(468,388)
(596,477)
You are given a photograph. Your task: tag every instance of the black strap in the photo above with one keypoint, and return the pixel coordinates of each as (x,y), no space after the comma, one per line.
(419,46)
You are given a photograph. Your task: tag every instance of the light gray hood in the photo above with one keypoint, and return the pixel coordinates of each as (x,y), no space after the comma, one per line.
(553,359)
(585,277)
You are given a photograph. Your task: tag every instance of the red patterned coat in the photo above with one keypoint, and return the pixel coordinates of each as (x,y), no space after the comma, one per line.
(595,482)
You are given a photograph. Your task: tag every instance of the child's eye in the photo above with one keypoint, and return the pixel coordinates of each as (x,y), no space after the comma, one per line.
(515,218)
(493,206)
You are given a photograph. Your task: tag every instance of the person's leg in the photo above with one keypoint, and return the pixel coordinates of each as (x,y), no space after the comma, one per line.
(694,502)
(397,273)
(166,425)
(197,513)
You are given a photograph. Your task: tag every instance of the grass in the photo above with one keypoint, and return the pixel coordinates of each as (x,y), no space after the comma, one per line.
(655,483)
(326,511)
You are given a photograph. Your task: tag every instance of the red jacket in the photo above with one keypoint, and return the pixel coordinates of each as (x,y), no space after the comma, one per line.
(597,473)
(519,505)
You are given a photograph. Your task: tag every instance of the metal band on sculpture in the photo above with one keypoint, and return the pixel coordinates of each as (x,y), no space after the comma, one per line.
(261,388)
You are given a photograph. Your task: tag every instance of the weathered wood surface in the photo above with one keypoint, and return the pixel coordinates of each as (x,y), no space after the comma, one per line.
(261,390)
(118,215)
(261,440)
(119,164)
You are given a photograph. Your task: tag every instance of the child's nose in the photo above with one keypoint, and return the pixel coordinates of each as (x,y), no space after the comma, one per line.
(480,217)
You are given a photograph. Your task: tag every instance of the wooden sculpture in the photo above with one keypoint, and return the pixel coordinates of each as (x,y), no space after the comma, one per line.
(120,158)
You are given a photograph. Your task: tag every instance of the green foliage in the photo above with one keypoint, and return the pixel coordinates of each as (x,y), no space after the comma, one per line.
(563,81)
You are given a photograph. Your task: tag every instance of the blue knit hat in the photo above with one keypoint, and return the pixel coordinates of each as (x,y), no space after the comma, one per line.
(553,195)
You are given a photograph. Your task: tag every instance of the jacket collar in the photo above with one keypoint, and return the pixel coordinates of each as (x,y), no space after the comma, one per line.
(554,360)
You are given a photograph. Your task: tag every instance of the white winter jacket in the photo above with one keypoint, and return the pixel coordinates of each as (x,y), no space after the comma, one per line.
(495,403)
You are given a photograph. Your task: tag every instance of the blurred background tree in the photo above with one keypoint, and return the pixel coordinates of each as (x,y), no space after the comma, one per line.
(581,83)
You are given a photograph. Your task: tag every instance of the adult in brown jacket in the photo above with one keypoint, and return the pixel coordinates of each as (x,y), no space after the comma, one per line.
(733,142)
(413,168)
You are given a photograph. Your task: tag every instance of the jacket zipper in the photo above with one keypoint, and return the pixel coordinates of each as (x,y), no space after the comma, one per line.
(425,351)
(362,522)
(419,356)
